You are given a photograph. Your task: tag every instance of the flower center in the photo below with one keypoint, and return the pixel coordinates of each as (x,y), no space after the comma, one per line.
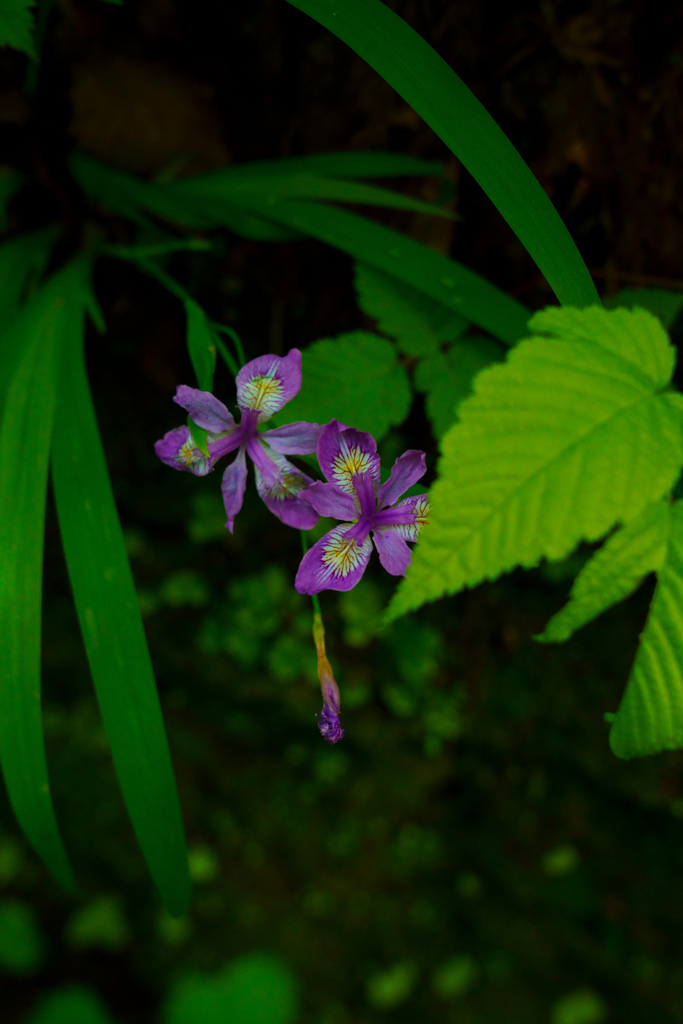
(341,554)
(351,461)
(263,393)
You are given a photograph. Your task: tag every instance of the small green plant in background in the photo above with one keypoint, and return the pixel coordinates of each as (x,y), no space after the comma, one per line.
(553,429)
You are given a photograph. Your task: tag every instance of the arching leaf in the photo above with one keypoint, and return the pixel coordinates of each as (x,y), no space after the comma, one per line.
(109,616)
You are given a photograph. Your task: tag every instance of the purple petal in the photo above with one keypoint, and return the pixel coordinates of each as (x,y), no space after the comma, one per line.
(281,492)
(333,563)
(364,487)
(343,454)
(177,449)
(328,500)
(269,382)
(330,729)
(406,471)
(295,439)
(394,553)
(406,517)
(205,410)
(233,487)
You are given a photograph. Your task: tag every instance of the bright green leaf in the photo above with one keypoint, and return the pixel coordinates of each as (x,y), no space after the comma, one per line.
(663,303)
(356,379)
(109,616)
(36,336)
(650,716)
(614,572)
(566,438)
(254,989)
(435,92)
(16,25)
(417,322)
(201,345)
(446,378)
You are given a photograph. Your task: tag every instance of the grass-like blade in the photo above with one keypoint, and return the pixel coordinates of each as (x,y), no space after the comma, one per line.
(227,196)
(614,572)
(109,616)
(650,716)
(435,92)
(36,335)
(447,282)
(571,435)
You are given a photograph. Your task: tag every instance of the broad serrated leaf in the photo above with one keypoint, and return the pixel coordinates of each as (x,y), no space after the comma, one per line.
(201,345)
(113,634)
(356,379)
(663,303)
(16,25)
(36,336)
(650,716)
(446,378)
(417,322)
(565,439)
(614,572)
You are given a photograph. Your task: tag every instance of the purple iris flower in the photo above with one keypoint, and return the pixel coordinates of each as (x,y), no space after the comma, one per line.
(264,386)
(349,460)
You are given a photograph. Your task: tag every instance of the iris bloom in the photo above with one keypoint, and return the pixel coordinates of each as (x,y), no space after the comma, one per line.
(264,386)
(349,460)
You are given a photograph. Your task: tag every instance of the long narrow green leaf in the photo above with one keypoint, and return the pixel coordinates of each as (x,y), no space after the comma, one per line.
(25,434)
(449,282)
(435,92)
(22,261)
(113,633)
(650,716)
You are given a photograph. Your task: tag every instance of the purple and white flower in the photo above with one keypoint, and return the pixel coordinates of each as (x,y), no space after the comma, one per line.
(264,386)
(350,462)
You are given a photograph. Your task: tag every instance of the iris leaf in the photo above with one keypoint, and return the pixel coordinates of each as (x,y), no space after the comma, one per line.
(435,92)
(109,616)
(49,319)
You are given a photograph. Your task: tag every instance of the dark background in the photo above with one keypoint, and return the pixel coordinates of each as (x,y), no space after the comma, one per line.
(473,825)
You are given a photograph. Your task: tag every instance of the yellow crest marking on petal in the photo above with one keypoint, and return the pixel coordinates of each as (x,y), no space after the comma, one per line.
(191,457)
(263,393)
(350,461)
(411,531)
(341,555)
